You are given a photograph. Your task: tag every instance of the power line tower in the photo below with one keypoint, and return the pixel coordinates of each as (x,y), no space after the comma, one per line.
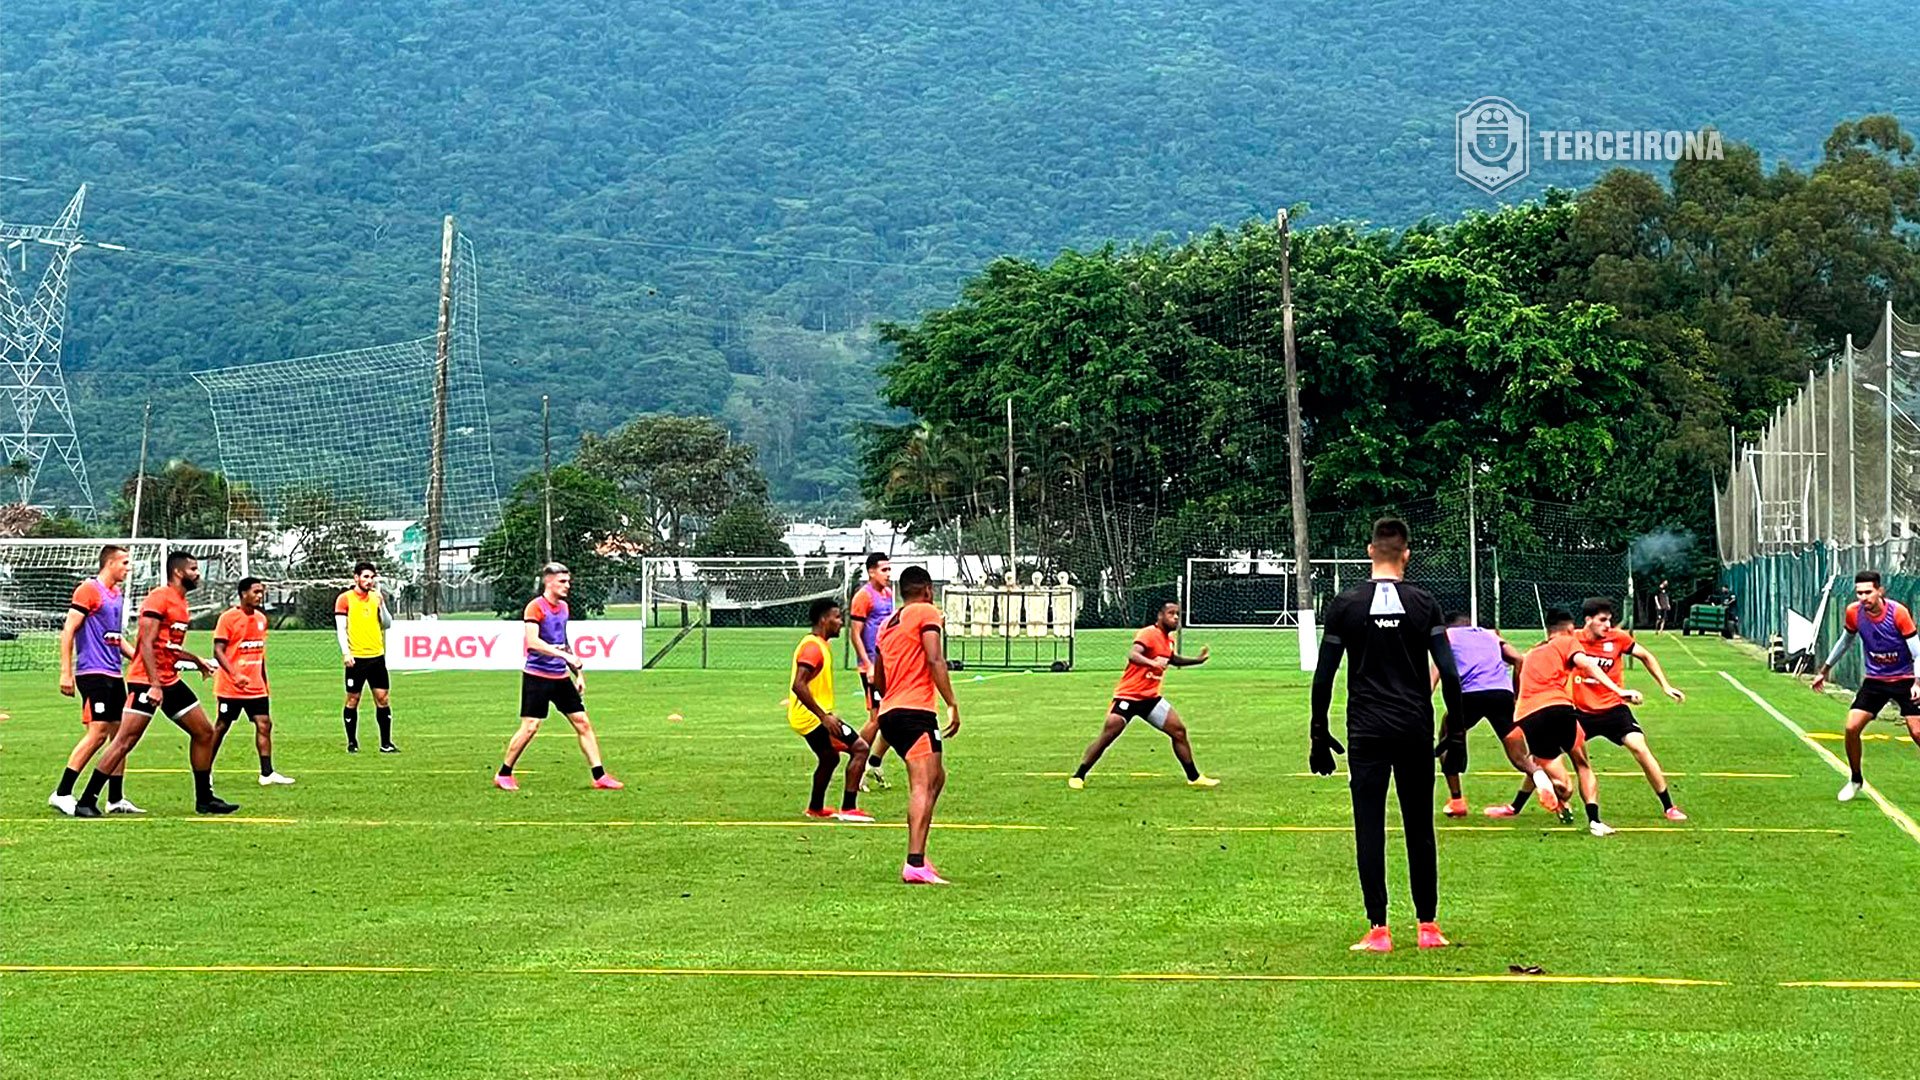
(36,417)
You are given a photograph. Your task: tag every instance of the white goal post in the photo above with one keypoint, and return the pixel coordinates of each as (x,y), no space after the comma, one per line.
(37,579)
(693,596)
(1256,592)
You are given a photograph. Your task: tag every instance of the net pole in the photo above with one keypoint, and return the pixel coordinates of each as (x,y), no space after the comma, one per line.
(1830,463)
(140,476)
(1473,553)
(546,472)
(1886,391)
(437,462)
(1296,469)
(1012,543)
(1853,456)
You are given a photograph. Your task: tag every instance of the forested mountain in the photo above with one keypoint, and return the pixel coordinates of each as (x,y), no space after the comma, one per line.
(704,207)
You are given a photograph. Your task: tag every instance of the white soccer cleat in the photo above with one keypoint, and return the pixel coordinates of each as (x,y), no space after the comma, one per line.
(1847,793)
(66,804)
(123,806)
(1600,828)
(273,778)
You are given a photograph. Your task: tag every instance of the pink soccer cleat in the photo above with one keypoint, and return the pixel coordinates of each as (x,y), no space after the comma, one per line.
(1378,939)
(1456,808)
(1431,937)
(608,783)
(822,815)
(506,783)
(1550,800)
(921,875)
(1674,813)
(1500,810)
(854,814)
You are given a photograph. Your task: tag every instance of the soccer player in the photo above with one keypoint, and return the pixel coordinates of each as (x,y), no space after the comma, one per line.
(908,668)
(1389,629)
(872,607)
(1604,714)
(1138,695)
(153,685)
(1662,608)
(1550,720)
(361,619)
(91,651)
(1486,664)
(1889,644)
(810,714)
(240,686)
(549,680)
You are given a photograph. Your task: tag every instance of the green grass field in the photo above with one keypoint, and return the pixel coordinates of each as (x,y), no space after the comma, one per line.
(395,916)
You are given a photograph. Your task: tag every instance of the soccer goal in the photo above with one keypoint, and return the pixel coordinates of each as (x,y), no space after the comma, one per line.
(1258,592)
(1013,626)
(37,579)
(735,612)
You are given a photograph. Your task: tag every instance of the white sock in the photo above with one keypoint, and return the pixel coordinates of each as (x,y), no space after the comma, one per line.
(1543,782)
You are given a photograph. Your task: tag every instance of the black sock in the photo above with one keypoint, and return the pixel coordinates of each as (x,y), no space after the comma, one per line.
(1193,771)
(919,859)
(203,785)
(96,784)
(266,764)
(116,788)
(1520,800)
(1857,778)
(849,799)
(1666,798)
(876,759)
(384,717)
(1593,811)
(351,715)
(1083,770)
(68,778)
(599,771)
(505,769)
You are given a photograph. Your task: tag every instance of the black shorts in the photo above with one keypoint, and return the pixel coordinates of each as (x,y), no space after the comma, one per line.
(1552,731)
(1614,725)
(1493,706)
(904,728)
(1877,694)
(868,695)
(367,671)
(176,699)
(256,709)
(1154,710)
(537,692)
(831,738)
(102,698)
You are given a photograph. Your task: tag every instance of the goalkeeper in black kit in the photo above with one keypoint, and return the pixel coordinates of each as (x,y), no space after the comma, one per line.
(1390,630)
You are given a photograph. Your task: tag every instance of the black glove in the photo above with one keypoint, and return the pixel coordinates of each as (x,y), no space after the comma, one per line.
(1320,758)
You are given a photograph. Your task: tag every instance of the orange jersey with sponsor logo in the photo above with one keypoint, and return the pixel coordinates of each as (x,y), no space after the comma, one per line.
(1546,675)
(1610,652)
(245,654)
(903,657)
(1139,683)
(164,615)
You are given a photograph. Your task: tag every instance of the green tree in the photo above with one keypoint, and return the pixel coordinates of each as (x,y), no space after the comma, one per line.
(680,471)
(589,520)
(746,529)
(182,501)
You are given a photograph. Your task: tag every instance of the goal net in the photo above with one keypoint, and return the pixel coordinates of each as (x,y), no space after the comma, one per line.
(736,612)
(1258,592)
(37,579)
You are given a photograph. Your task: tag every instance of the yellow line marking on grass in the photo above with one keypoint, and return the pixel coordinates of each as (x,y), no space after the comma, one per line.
(1894,813)
(1865,736)
(811,973)
(1858,984)
(961,826)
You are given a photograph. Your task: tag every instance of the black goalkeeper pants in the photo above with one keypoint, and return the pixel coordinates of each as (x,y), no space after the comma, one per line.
(1408,765)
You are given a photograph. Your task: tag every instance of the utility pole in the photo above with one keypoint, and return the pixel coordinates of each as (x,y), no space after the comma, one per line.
(1302,560)
(437,463)
(1013,548)
(140,477)
(546,470)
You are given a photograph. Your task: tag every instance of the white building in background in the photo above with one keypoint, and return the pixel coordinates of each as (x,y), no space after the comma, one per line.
(808,539)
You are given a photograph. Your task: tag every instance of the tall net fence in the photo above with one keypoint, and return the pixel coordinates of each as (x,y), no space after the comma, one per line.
(1830,488)
(38,577)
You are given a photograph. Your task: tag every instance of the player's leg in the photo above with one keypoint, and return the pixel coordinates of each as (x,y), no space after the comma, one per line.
(1110,730)
(826,759)
(263,743)
(1635,742)
(383,707)
(350,711)
(516,745)
(1367,780)
(875,739)
(851,744)
(1589,785)
(1857,721)
(1452,764)
(926,779)
(187,715)
(112,762)
(224,712)
(93,736)
(590,749)
(1169,721)
(1413,783)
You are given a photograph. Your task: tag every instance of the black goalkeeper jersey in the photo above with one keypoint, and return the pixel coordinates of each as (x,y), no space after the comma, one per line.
(1386,628)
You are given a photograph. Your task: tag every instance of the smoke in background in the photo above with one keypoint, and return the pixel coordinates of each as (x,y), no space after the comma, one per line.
(1661,553)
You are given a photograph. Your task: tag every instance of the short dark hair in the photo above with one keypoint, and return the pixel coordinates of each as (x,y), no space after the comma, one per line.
(820,609)
(1867,577)
(363,566)
(1390,535)
(1164,605)
(876,558)
(916,580)
(1458,618)
(1597,605)
(244,584)
(1557,618)
(178,559)
(107,553)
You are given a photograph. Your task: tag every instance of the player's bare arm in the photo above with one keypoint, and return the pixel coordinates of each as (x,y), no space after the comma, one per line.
(942,679)
(1641,654)
(1599,674)
(67,630)
(860,656)
(536,644)
(803,676)
(1189,661)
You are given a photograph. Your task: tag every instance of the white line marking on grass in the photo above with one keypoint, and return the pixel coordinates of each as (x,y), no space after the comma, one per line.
(1691,655)
(1894,813)
(1858,984)
(1676,829)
